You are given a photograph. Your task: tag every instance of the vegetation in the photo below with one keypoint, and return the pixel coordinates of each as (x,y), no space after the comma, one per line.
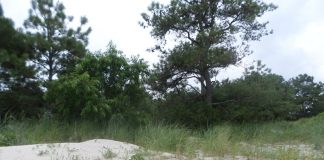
(268,139)
(102,86)
(308,95)
(56,47)
(53,90)
(206,35)
(257,96)
(20,94)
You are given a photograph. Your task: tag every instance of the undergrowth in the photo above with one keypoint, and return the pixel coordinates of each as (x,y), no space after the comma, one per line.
(272,139)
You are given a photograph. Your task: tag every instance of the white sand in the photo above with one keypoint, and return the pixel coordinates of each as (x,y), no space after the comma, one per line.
(101,149)
(98,149)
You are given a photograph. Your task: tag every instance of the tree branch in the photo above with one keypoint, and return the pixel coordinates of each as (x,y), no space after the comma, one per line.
(188,34)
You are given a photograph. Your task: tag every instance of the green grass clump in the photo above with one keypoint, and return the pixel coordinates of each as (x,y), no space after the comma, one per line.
(162,137)
(137,157)
(217,141)
(108,154)
(7,137)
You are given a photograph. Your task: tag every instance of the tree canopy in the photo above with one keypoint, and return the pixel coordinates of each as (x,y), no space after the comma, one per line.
(20,94)
(209,34)
(1,10)
(308,95)
(57,46)
(103,85)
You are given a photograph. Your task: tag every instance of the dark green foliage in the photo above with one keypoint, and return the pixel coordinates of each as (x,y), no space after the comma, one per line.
(20,95)
(14,53)
(103,86)
(186,108)
(206,34)
(308,95)
(121,82)
(77,96)
(254,98)
(258,96)
(1,11)
(58,48)
(19,102)
(7,136)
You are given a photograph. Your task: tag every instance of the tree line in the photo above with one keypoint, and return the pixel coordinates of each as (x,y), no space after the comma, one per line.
(47,71)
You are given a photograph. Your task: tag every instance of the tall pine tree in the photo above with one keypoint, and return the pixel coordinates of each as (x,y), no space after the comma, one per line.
(1,11)
(58,48)
(20,94)
(206,33)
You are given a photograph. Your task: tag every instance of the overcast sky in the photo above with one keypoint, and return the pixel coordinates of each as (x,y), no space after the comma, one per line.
(297,45)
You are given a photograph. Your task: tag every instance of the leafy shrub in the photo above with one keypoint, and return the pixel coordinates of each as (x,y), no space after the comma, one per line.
(78,96)
(308,95)
(254,97)
(102,86)
(186,108)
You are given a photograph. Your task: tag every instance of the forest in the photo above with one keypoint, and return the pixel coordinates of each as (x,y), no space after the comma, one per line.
(49,78)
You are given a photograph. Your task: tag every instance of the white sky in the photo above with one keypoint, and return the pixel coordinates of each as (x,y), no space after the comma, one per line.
(297,45)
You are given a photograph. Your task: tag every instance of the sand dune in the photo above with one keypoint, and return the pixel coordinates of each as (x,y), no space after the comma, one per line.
(98,149)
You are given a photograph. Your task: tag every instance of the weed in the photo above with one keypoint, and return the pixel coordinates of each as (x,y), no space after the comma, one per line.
(108,153)
(137,157)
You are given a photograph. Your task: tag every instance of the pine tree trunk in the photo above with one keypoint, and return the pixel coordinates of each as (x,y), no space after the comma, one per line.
(50,72)
(208,89)
(50,66)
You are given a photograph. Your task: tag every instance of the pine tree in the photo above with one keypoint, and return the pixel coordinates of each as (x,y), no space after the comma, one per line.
(58,48)
(20,94)
(206,34)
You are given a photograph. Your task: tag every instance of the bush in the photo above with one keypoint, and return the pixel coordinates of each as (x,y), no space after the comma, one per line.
(102,86)
(254,97)
(308,95)
(21,102)
(76,96)
(186,108)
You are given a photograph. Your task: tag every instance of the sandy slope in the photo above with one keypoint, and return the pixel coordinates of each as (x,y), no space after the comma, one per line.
(98,149)
(101,149)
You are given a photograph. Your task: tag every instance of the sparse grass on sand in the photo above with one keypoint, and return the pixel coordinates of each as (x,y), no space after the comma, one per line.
(302,139)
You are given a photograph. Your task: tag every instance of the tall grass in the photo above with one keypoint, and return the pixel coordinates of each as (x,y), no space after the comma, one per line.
(251,140)
(51,131)
(162,137)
